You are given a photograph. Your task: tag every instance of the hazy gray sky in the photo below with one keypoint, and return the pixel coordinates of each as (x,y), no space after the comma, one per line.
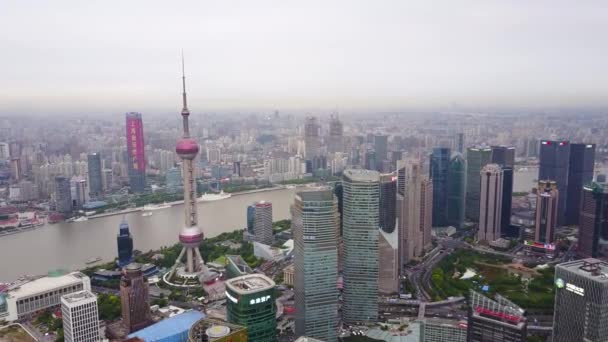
(118,56)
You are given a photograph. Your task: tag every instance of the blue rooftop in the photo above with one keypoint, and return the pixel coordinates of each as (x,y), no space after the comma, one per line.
(174,329)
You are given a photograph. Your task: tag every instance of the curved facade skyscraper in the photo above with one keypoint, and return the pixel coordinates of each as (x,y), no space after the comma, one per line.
(124,242)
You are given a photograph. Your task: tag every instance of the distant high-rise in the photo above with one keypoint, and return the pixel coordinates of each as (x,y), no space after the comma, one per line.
(315,230)
(135,303)
(490,207)
(415,214)
(262,222)
(554,164)
(505,157)
(80,317)
(336,138)
(82,196)
(311,138)
(495,320)
(388,201)
(581,301)
(339,192)
(250,302)
(593,222)
(477,158)
(124,241)
(580,173)
(136,152)
(460,143)
(456,191)
(250,218)
(381,149)
(95,177)
(546,211)
(438,171)
(361,201)
(63,195)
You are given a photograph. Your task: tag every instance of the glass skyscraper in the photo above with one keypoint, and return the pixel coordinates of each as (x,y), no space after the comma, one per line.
(388,202)
(477,158)
(315,228)
(381,149)
(95,180)
(505,157)
(554,165)
(593,224)
(124,242)
(456,191)
(250,302)
(580,173)
(438,171)
(361,201)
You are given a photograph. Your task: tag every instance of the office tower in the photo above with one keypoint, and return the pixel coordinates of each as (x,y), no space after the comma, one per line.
(456,191)
(124,242)
(315,230)
(82,196)
(336,132)
(63,195)
(490,206)
(251,303)
(136,152)
(108,179)
(236,168)
(388,202)
(401,176)
(389,262)
(415,218)
(95,180)
(80,317)
(477,158)
(581,301)
(262,222)
(16,169)
(546,211)
(370,160)
(580,173)
(593,221)
(442,330)
(438,171)
(460,143)
(250,218)
(311,138)
(554,164)
(381,149)
(135,303)
(361,201)
(505,157)
(495,320)
(339,192)
(190,235)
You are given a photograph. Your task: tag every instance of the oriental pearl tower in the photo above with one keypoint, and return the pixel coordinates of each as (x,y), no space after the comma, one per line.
(189,268)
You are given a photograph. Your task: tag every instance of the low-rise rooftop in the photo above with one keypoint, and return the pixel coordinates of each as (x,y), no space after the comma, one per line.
(78,296)
(360,175)
(32,286)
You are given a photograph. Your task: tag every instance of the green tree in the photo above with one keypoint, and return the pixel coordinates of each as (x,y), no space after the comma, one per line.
(109,306)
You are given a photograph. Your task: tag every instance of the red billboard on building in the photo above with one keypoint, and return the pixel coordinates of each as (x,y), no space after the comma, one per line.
(135,143)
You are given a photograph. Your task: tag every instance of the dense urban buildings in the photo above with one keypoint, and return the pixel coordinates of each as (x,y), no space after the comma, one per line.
(439,170)
(580,173)
(456,191)
(124,243)
(415,218)
(315,225)
(388,202)
(546,211)
(490,205)
(593,222)
(134,299)
(554,163)
(250,302)
(262,222)
(80,317)
(136,152)
(581,301)
(361,201)
(27,297)
(477,158)
(95,175)
(497,320)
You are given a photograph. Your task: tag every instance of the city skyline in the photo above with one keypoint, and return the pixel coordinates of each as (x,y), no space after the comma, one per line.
(344,55)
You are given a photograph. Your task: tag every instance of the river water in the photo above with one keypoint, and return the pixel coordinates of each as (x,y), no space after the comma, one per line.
(69,245)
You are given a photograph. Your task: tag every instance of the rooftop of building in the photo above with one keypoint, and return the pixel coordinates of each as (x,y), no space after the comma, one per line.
(360,175)
(316,195)
(597,186)
(215,329)
(460,324)
(169,327)
(589,268)
(78,296)
(307,339)
(30,287)
(250,283)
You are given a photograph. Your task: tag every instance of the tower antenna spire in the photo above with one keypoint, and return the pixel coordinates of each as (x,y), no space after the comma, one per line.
(185,111)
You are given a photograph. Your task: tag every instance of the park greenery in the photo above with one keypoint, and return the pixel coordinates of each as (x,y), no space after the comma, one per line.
(535,293)
(281,225)
(109,306)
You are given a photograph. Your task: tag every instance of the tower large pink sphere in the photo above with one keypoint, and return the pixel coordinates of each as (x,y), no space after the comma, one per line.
(187,148)
(191,237)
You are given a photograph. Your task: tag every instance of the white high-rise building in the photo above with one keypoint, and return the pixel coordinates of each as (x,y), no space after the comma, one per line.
(80,317)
